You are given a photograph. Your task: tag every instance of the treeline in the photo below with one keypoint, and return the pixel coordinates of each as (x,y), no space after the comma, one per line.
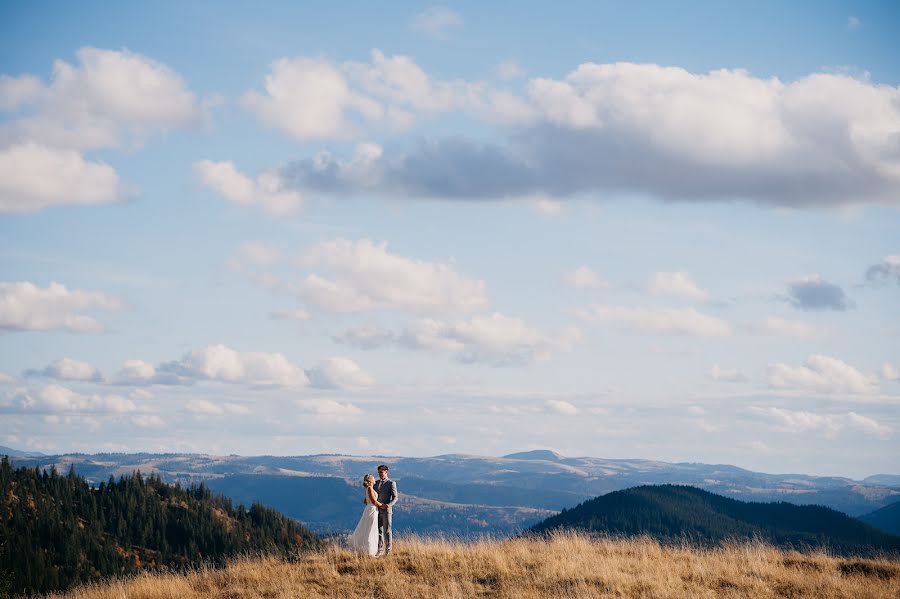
(683,513)
(56,530)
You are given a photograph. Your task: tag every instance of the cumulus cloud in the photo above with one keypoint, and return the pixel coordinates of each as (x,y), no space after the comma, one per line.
(822,374)
(657,321)
(779,327)
(890,373)
(813,293)
(797,421)
(138,372)
(313,98)
(56,398)
(34,177)
(494,339)
(884,272)
(267,190)
(436,21)
(664,131)
(26,307)
(725,375)
(583,278)
(676,284)
(67,369)
(223,364)
(339,373)
(560,407)
(108,99)
(365,275)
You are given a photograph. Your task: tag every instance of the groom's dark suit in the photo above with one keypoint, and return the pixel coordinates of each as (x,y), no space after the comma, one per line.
(387,493)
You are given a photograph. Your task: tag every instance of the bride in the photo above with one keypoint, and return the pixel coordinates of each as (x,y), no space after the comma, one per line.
(365,538)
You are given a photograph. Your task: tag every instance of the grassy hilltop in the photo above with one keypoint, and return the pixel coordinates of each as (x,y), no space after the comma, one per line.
(566,565)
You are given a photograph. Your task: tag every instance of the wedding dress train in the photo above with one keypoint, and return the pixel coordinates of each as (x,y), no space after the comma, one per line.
(365,538)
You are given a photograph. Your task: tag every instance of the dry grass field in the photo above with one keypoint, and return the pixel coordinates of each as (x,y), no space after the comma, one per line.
(567,565)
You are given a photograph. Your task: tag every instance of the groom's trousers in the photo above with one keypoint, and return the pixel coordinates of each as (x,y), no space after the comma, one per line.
(384,531)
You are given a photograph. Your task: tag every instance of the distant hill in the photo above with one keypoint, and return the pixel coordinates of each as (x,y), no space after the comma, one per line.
(56,530)
(537,454)
(460,494)
(16,453)
(674,513)
(886,519)
(888,480)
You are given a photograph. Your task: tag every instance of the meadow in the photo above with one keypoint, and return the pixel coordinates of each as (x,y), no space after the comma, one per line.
(563,565)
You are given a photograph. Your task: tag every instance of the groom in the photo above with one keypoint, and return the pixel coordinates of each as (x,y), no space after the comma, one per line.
(387,495)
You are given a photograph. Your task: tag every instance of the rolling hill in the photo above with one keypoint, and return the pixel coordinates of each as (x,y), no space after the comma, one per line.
(886,518)
(677,513)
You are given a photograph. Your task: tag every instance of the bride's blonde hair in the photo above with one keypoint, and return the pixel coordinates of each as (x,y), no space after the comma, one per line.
(368,480)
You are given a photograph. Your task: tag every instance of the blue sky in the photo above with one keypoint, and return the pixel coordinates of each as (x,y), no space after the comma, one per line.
(659,231)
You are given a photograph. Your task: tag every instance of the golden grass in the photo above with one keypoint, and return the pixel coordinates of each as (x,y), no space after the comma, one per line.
(566,565)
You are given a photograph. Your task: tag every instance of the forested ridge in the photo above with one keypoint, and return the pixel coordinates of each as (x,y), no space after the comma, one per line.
(678,513)
(57,530)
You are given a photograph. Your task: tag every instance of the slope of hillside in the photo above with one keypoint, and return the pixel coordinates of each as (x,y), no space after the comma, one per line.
(670,512)
(565,566)
(886,519)
(57,530)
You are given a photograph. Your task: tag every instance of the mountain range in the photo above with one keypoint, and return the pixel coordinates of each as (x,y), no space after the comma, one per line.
(464,495)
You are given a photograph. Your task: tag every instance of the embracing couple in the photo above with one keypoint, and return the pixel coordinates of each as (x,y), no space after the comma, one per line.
(373,533)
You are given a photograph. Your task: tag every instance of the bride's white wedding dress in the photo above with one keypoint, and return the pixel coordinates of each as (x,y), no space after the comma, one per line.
(365,538)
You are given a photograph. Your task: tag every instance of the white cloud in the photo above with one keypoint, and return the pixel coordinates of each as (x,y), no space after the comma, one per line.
(6,379)
(108,97)
(16,92)
(56,398)
(797,421)
(366,276)
(267,190)
(509,69)
(435,21)
(657,321)
(719,136)
(869,425)
(779,327)
(890,373)
(223,364)
(561,407)
(339,373)
(34,177)
(584,278)
(822,374)
(853,22)
(208,408)
(328,408)
(676,284)
(495,339)
(308,98)
(136,372)
(27,307)
(726,375)
(546,205)
(67,369)
(148,421)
